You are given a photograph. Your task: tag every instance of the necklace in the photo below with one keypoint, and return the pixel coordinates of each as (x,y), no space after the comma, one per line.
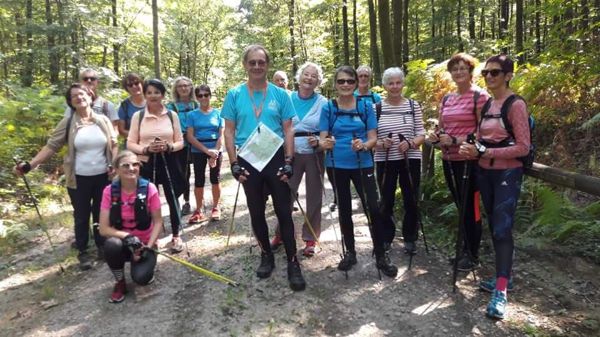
(257,109)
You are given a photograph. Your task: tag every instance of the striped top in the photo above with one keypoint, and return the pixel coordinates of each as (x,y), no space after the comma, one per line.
(399,119)
(458,119)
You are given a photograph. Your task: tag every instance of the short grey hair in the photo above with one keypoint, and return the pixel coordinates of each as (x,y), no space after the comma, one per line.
(281,73)
(306,65)
(391,72)
(364,68)
(174,92)
(87,70)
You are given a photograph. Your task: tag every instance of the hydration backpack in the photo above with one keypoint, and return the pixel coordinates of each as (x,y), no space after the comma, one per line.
(142,215)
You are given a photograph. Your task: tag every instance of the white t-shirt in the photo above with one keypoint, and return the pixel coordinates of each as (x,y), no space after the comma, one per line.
(90,151)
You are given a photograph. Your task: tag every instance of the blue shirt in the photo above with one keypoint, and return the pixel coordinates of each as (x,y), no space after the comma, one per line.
(126,111)
(373,97)
(343,127)
(182,110)
(238,108)
(308,114)
(206,127)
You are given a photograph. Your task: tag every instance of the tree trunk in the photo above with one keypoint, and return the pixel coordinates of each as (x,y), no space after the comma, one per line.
(355,32)
(27,76)
(346,35)
(461,46)
(503,24)
(291,8)
(74,50)
(433,19)
(155,38)
(373,43)
(53,58)
(482,24)
(519,32)
(397,12)
(472,20)
(405,35)
(116,46)
(385,32)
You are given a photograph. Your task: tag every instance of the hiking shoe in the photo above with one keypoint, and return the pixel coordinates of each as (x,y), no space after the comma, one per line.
(267,264)
(497,306)
(177,245)
(348,261)
(85,261)
(295,278)
(186,209)
(332,206)
(118,293)
(197,217)
(309,250)
(215,214)
(385,265)
(410,247)
(489,285)
(467,263)
(276,243)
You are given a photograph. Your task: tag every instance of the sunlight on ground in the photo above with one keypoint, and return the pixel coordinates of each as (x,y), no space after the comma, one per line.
(441,302)
(72,330)
(20,279)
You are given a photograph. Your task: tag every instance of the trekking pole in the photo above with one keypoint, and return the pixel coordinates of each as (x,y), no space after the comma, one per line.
(199,269)
(177,209)
(154,181)
(387,155)
(310,227)
(336,193)
(37,209)
(237,193)
(463,211)
(363,197)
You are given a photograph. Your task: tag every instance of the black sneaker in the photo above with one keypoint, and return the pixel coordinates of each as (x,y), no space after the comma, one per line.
(267,264)
(295,278)
(85,261)
(410,248)
(348,261)
(186,209)
(385,266)
(467,263)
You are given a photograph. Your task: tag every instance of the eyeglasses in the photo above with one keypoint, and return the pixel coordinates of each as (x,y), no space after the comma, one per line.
(343,80)
(459,69)
(132,84)
(136,164)
(363,75)
(254,63)
(89,78)
(185,85)
(493,72)
(203,95)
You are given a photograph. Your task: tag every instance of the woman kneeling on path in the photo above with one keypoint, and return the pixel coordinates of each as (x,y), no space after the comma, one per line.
(503,140)
(349,131)
(130,219)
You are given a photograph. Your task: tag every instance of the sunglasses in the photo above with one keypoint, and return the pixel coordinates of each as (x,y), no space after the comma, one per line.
(493,72)
(349,81)
(136,164)
(203,95)
(260,63)
(89,78)
(132,84)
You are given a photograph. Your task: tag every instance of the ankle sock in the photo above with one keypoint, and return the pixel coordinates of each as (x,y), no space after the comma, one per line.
(501,283)
(119,274)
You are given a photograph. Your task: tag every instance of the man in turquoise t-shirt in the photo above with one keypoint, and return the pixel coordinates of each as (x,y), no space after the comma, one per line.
(245,106)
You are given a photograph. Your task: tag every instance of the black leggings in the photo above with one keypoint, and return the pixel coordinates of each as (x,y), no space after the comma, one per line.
(200,160)
(453,172)
(185,160)
(116,254)
(397,174)
(342,179)
(255,198)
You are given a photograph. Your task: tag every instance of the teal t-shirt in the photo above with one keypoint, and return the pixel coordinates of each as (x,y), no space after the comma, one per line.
(343,125)
(182,110)
(302,105)
(238,108)
(206,127)
(372,97)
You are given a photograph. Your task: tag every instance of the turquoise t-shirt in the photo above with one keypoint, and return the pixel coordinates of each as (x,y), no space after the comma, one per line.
(238,108)
(206,127)
(302,105)
(343,125)
(372,97)
(182,110)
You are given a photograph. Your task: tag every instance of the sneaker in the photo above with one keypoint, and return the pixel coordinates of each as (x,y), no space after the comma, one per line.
(186,209)
(85,261)
(177,245)
(309,250)
(497,306)
(118,293)
(267,264)
(489,285)
(332,206)
(467,263)
(348,261)
(215,214)
(295,278)
(385,265)
(410,248)
(197,217)
(276,243)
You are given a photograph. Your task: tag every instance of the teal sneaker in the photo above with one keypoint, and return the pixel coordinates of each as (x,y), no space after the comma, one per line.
(489,285)
(497,306)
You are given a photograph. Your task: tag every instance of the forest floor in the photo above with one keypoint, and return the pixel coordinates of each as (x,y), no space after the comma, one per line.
(554,295)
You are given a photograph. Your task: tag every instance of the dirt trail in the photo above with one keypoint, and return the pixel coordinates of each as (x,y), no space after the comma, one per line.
(37,301)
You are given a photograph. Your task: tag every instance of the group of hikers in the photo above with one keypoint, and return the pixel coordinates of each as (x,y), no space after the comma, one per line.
(274,138)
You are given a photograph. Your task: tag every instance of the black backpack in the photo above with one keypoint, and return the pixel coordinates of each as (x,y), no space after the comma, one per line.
(528,159)
(142,215)
(378,108)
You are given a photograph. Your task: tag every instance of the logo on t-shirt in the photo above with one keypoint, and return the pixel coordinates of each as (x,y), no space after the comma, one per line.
(273,105)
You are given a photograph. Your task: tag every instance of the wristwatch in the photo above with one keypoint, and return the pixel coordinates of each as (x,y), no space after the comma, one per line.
(480,149)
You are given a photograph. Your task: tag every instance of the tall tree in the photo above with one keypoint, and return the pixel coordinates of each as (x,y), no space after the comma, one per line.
(472,20)
(155,39)
(461,46)
(355,35)
(397,11)
(405,51)
(373,42)
(53,58)
(346,35)
(503,24)
(385,32)
(291,8)
(27,76)
(116,45)
(519,31)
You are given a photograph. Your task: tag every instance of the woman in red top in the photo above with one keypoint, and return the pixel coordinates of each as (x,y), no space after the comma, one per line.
(459,115)
(500,171)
